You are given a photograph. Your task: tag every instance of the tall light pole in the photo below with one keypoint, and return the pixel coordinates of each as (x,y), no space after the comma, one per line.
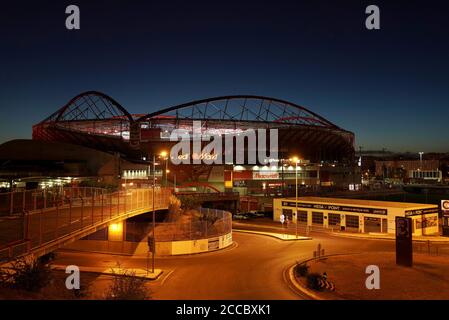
(165,156)
(154,214)
(162,154)
(296,197)
(420,159)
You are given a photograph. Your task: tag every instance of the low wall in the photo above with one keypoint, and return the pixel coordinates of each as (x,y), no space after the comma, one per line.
(166,248)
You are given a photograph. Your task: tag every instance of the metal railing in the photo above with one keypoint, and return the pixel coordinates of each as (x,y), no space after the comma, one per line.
(431,248)
(32,219)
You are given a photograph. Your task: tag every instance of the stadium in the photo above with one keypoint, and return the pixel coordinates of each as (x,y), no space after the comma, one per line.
(92,122)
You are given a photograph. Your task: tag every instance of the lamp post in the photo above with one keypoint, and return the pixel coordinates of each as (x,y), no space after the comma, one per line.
(154,214)
(164,155)
(296,196)
(420,159)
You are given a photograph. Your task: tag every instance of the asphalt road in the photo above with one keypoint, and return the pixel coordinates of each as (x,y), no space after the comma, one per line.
(252,269)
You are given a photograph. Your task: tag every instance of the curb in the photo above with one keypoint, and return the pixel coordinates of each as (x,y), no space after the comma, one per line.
(272,235)
(337,234)
(302,289)
(298,287)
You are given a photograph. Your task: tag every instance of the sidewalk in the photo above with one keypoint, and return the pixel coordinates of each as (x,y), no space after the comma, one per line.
(140,273)
(280,236)
(272,225)
(383,236)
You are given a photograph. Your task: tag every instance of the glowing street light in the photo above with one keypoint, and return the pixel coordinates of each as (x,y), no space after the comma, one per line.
(296,160)
(164,155)
(420,159)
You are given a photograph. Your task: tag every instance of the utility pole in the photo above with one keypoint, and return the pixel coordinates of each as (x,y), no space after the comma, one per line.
(154,213)
(296,199)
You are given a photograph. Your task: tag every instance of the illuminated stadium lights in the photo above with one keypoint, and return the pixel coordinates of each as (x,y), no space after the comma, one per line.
(301,132)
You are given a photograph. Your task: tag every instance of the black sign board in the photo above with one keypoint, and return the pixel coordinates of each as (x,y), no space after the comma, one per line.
(404,245)
(334,207)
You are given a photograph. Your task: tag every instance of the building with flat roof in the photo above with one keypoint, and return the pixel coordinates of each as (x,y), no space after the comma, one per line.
(365,216)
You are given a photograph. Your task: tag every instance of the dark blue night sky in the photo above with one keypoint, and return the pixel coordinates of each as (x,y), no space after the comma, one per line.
(390,87)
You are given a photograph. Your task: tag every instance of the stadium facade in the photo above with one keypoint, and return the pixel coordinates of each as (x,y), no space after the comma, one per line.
(96,122)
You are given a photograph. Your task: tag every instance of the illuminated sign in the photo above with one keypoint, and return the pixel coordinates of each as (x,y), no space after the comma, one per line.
(336,207)
(265,175)
(421,211)
(445,207)
(196,156)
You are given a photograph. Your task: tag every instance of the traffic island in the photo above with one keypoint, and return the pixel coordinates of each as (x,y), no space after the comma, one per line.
(349,273)
(127,272)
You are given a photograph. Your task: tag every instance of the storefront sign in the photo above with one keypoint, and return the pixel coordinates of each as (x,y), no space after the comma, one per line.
(336,208)
(200,156)
(421,211)
(445,207)
(265,175)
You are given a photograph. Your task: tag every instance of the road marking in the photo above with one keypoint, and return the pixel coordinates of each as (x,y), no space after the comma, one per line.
(166,277)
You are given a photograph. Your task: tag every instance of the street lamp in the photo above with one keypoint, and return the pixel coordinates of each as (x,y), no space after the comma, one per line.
(164,155)
(296,160)
(420,159)
(154,215)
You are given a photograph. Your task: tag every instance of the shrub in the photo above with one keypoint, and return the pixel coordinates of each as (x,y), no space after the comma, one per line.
(312,281)
(301,270)
(126,286)
(48,258)
(174,208)
(189,202)
(29,274)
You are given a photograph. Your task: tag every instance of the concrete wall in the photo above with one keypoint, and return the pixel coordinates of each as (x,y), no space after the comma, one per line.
(162,248)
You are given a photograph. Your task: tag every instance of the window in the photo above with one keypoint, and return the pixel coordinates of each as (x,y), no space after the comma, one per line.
(317,217)
(334,219)
(352,221)
(302,216)
(288,213)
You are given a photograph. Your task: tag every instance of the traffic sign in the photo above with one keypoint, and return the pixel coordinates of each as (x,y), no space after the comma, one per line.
(445,207)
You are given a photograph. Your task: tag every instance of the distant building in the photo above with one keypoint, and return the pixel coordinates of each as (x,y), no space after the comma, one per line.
(409,171)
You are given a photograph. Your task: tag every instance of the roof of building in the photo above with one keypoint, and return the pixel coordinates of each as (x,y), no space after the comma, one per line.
(361,202)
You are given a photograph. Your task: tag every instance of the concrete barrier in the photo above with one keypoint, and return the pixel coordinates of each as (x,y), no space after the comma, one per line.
(165,248)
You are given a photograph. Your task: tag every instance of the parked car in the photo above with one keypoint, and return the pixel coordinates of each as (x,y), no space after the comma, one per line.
(256,214)
(240,217)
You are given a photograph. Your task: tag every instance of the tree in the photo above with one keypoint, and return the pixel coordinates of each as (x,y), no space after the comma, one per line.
(174,208)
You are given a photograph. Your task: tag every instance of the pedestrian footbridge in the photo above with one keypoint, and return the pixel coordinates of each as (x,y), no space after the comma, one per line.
(38,222)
